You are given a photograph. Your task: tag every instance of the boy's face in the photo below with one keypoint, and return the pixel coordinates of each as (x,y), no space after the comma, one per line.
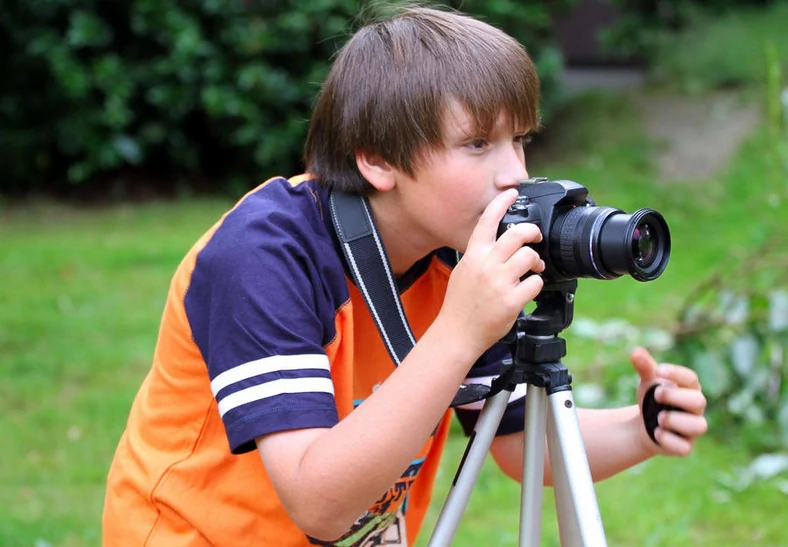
(452,185)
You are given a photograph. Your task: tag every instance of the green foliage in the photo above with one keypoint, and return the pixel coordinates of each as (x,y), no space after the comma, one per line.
(735,336)
(664,31)
(777,111)
(220,89)
(727,51)
(734,330)
(201,86)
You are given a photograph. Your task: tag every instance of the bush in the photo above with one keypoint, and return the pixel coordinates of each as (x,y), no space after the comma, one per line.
(644,23)
(736,339)
(215,89)
(715,63)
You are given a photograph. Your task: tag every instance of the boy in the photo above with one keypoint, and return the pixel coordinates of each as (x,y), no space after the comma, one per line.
(272,414)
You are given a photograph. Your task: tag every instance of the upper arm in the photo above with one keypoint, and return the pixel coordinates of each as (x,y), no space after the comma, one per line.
(282,454)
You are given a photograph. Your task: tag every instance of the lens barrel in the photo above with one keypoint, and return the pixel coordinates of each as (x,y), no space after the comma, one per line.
(605,243)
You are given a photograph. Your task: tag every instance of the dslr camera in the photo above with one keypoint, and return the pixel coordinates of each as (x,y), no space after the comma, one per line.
(580,239)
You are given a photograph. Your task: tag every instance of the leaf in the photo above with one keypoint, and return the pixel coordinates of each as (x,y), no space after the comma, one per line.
(744,353)
(585,327)
(616,330)
(767,466)
(657,339)
(590,395)
(782,421)
(127,148)
(714,375)
(86,29)
(735,308)
(778,310)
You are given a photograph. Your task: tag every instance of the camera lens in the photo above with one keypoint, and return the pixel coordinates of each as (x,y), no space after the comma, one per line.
(605,243)
(637,244)
(644,245)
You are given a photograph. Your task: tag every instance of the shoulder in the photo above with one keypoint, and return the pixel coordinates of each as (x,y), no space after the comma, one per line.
(279,219)
(275,248)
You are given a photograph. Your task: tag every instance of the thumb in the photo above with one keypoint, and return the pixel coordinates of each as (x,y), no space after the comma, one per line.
(645,365)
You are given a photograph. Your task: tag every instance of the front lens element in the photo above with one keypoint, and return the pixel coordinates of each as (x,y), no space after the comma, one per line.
(644,245)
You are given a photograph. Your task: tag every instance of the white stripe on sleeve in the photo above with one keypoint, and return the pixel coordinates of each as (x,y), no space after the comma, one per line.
(276,387)
(266,365)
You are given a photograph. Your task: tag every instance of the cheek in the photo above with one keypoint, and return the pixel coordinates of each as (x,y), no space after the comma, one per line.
(463,206)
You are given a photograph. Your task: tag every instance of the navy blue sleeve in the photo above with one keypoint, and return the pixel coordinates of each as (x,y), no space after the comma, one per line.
(261,314)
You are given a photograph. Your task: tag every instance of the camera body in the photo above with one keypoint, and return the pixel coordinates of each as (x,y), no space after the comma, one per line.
(580,239)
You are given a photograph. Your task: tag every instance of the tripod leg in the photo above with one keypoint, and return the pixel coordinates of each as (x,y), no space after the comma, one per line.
(579,520)
(533,466)
(470,467)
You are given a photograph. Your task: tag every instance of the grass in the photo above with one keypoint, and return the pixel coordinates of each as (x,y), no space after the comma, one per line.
(82,293)
(663,502)
(83,290)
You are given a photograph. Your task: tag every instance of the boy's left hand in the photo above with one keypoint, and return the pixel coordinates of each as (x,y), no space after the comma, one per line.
(679,387)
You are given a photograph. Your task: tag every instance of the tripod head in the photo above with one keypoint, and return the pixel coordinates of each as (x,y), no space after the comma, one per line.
(536,348)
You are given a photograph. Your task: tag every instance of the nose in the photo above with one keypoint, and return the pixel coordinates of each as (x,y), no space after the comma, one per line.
(511,169)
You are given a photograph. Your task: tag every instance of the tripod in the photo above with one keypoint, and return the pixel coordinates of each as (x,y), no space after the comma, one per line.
(550,410)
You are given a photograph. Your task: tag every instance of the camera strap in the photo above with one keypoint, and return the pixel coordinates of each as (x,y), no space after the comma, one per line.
(371,272)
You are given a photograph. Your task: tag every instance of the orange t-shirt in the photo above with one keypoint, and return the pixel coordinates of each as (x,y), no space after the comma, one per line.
(262,331)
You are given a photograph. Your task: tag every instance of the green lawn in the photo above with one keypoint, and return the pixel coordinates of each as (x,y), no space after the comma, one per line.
(665,502)
(81,296)
(83,289)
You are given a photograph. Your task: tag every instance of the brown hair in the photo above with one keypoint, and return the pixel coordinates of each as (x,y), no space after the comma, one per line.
(389,85)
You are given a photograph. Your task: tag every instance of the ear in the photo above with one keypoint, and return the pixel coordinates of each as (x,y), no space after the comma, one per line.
(378,172)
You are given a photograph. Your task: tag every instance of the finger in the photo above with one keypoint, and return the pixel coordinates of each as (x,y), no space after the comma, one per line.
(672,443)
(528,289)
(516,238)
(645,365)
(524,260)
(679,375)
(683,424)
(686,399)
(486,229)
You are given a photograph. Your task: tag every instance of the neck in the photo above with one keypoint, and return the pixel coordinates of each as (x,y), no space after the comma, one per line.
(403,247)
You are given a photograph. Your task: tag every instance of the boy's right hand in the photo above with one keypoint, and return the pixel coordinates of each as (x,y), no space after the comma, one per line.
(485,292)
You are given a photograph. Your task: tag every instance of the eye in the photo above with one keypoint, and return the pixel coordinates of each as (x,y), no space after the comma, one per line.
(476,144)
(523,139)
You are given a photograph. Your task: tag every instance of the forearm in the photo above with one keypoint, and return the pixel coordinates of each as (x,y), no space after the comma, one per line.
(345,469)
(612,440)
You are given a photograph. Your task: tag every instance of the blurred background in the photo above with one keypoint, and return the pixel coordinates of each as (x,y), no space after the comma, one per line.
(128,127)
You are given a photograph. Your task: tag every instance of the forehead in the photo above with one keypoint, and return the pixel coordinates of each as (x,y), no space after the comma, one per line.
(458,120)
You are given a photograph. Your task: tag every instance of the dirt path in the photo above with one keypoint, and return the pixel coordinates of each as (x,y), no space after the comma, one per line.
(696,136)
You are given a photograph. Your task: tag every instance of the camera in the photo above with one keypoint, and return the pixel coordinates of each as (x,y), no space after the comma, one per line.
(580,239)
